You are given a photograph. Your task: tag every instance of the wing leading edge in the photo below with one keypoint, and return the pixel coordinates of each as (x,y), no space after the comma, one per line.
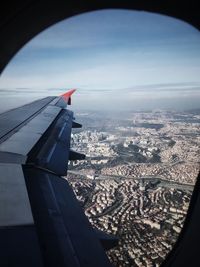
(41,222)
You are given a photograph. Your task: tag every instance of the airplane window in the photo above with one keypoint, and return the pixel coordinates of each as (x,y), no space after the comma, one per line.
(138,95)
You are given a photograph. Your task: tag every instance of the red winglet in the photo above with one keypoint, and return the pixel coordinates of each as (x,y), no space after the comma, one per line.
(67,96)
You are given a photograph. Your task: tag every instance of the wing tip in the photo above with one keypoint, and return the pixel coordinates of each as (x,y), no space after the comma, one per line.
(67,96)
(68,93)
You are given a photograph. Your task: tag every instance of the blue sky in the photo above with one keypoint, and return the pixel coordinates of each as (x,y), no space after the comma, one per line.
(112,56)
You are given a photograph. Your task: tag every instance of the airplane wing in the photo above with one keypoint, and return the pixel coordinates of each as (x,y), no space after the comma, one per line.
(41,222)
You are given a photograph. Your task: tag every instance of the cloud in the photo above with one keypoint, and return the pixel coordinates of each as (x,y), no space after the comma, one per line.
(116,54)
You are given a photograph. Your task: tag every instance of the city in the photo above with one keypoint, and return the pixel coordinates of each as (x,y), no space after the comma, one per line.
(137,178)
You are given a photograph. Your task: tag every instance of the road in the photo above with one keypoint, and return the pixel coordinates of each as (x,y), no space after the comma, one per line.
(162,181)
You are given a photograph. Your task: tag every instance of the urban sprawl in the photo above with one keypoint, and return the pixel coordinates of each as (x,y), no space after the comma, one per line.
(137,179)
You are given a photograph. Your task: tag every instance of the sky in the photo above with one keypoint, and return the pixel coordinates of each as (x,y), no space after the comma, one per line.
(115,58)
